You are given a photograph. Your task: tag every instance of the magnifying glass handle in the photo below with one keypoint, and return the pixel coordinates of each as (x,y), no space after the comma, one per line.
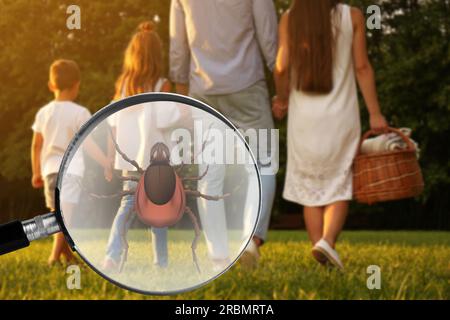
(18,234)
(12,237)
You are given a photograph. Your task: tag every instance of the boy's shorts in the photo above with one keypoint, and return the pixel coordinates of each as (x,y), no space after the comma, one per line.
(71,187)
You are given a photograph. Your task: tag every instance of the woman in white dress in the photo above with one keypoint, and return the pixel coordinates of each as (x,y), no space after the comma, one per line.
(322,53)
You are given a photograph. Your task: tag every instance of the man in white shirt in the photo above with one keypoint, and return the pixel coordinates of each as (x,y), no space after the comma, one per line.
(215,56)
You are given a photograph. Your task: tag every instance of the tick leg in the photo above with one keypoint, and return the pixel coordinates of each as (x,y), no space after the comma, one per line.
(119,194)
(193,156)
(203,145)
(123,155)
(122,193)
(121,178)
(198,194)
(180,167)
(197,236)
(197,178)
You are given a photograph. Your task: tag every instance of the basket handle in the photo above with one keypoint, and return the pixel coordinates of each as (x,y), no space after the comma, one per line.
(369,133)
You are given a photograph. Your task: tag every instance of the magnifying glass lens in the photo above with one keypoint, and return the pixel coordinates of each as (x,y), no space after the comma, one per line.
(159,197)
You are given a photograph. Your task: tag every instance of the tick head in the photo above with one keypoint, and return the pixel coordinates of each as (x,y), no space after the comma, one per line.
(160,153)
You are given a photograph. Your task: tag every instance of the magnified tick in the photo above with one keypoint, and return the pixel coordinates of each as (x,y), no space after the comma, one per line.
(160,195)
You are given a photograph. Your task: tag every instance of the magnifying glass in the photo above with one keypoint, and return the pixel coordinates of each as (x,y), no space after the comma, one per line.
(158,193)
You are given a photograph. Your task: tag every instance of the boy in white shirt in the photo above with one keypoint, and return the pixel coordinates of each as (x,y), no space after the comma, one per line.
(55,125)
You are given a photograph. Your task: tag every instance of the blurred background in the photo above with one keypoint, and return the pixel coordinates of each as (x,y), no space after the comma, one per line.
(410,54)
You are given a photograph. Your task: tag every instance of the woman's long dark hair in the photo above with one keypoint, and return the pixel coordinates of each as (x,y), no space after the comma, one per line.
(311,45)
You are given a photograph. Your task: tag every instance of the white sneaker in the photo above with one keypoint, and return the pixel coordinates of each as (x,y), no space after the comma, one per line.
(251,255)
(323,252)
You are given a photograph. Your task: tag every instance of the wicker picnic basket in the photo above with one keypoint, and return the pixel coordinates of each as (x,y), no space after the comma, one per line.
(389,175)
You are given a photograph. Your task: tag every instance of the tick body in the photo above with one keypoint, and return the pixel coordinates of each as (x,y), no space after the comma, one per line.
(160,195)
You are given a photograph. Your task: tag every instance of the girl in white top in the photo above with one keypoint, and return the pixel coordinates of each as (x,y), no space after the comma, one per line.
(322,53)
(141,73)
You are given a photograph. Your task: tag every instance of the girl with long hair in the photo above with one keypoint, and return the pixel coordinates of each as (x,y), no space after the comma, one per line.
(142,64)
(322,54)
(141,73)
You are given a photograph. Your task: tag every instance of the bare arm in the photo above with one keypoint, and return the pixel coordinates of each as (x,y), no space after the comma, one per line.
(167,86)
(179,49)
(94,151)
(110,153)
(111,149)
(36,150)
(182,89)
(364,72)
(281,72)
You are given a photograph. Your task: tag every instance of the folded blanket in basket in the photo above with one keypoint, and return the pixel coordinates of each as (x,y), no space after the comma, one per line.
(388,142)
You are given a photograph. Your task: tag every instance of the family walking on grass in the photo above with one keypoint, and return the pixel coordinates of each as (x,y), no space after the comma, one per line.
(218,53)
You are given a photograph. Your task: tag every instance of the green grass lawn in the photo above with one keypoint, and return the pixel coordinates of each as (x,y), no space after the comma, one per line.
(414,265)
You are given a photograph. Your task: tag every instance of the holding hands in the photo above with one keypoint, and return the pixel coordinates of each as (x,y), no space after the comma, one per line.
(108,170)
(37,182)
(279,108)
